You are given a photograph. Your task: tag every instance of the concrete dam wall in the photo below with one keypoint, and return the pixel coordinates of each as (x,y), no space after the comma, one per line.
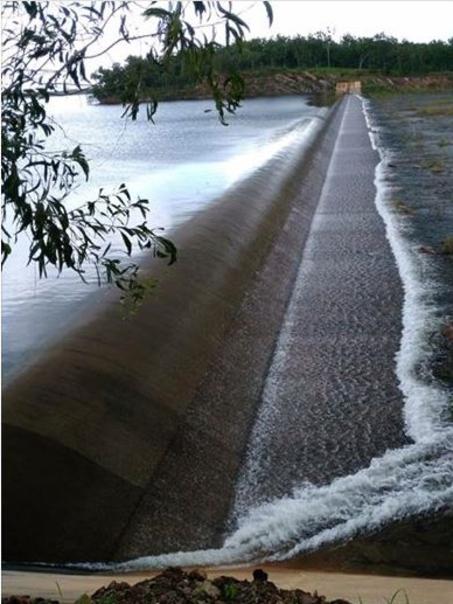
(126,438)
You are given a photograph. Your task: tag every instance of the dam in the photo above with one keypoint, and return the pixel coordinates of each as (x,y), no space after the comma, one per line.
(255,407)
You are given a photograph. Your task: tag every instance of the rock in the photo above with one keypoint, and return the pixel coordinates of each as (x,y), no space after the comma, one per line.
(259,575)
(173,572)
(174,586)
(198,575)
(447,332)
(208,588)
(27,600)
(427,249)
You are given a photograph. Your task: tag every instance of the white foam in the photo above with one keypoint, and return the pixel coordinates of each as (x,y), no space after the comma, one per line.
(267,419)
(425,404)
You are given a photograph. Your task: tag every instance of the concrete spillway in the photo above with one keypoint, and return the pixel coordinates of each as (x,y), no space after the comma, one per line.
(331,402)
(128,437)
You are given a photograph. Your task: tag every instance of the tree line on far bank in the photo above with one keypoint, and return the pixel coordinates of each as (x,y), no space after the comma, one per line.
(380,53)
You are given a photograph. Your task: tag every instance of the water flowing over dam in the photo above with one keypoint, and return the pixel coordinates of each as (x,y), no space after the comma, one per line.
(263,404)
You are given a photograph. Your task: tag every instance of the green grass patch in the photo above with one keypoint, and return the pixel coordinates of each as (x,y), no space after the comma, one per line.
(402,208)
(436,166)
(438,110)
(447,246)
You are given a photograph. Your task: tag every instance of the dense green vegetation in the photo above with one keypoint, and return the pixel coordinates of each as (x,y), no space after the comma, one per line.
(381,54)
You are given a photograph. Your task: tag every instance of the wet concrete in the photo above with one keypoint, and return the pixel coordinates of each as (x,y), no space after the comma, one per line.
(331,400)
(187,502)
(420,546)
(153,415)
(113,397)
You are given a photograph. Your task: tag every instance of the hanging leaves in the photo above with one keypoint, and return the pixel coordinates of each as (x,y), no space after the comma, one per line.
(46,46)
(269,12)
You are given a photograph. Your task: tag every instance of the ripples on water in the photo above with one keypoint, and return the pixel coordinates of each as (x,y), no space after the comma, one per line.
(180,164)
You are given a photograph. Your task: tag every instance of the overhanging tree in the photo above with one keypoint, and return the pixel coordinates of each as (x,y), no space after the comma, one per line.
(47,47)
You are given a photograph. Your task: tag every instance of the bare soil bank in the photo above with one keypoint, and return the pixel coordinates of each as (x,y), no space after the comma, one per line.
(306,82)
(413,547)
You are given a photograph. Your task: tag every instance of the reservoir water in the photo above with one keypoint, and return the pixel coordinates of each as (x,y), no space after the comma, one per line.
(181,164)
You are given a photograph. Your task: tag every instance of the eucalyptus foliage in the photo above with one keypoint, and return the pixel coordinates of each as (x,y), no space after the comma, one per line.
(47,47)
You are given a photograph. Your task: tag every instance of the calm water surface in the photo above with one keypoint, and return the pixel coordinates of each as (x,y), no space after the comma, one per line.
(180,164)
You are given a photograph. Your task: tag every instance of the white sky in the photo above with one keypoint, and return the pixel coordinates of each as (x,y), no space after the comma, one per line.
(418,21)
(415,20)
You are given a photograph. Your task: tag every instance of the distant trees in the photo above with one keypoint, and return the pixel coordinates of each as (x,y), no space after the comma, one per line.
(380,53)
(326,38)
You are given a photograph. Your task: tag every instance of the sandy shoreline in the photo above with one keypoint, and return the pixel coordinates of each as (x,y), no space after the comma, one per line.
(371,589)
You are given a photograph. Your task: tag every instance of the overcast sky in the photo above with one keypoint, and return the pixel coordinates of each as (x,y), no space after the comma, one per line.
(419,21)
(415,20)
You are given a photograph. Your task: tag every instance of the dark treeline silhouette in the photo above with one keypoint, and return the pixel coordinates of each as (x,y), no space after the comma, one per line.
(381,53)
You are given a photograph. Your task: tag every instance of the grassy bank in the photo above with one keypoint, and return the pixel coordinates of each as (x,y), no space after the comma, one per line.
(378,85)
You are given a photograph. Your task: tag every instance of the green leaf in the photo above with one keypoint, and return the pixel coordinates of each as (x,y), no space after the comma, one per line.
(269,11)
(6,251)
(84,599)
(233,17)
(199,8)
(156,12)
(127,243)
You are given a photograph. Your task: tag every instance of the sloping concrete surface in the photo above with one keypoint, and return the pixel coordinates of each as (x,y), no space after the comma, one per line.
(88,429)
(331,400)
(128,438)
